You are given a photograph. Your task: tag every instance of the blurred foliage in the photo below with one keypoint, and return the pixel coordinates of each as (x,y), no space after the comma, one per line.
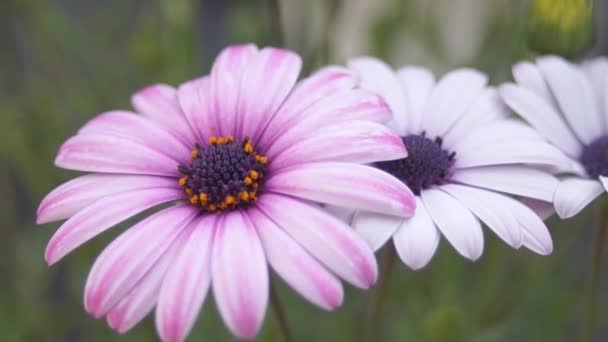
(63,61)
(562,27)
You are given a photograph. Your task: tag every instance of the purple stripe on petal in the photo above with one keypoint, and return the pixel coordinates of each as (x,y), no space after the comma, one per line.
(240,275)
(225,77)
(73,196)
(159,102)
(186,284)
(323,83)
(347,185)
(138,129)
(356,141)
(267,81)
(143,297)
(325,237)
(105,153)
(296,266)
(102,215)
(126,260)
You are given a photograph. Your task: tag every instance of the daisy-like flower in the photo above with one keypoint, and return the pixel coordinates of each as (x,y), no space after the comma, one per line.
(568,106)
(466,162)
(244,155)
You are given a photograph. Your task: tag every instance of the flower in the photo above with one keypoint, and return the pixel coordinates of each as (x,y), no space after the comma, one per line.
(245,153)
(568,105)
(467,160)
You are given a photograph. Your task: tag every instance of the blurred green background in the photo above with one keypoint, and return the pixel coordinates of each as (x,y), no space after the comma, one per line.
(63,61)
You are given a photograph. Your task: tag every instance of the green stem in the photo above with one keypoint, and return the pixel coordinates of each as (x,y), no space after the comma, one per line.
(277,307)
(594,276)
(379,296)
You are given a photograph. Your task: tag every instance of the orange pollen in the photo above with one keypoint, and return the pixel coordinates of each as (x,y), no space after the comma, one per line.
(253,174)
(182,181)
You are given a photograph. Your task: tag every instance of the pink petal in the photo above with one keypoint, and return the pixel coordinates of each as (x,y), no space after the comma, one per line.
(186,283)
(266,82)
(325,237)
(143,297)
(298,268)
(102,215)
(194,98)
(574,94)
(355,141)
(126,260)
(73,196)
(140,130)
(346,185)
(417,84)
(226,77)
(542,116)
(512,179)
(105,153)
(417,238)
(379,78)
(487,108)
(574,194)
(456,222)
(240,275)
(375,228)
(489,207)
(159,102)
(338,108)
(450,98)
(321,84)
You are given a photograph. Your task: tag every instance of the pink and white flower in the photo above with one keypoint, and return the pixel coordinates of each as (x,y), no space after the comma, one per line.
(568,105)
(466,162)
(242,156)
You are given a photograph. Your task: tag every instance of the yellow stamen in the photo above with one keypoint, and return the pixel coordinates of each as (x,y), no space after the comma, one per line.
(182,181)
(188,191)
(202,197)
(244,195)
(247,180)
(253,174)
(194,154)
(193,199)
(212,140)
(261,159)
(248,147)
(229,200)
(212,207)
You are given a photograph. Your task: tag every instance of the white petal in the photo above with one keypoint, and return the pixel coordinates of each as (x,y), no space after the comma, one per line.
(574,194)
(456,222)
(417,238)
(527,75)
(596,71)
(604,181)
(375,228)
(417,84)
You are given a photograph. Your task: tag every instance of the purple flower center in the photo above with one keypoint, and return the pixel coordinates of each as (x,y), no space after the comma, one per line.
(595,157)
(427,164)
(224,175)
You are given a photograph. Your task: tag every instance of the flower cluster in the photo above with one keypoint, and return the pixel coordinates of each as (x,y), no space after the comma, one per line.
(249,169)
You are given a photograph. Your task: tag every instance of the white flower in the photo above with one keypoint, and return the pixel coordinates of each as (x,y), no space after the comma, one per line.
(568,106)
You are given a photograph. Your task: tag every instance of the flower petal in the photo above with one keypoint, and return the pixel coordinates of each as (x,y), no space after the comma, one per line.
(240,275)
(325,237)
(355,141)
(102,215)
(455,221)
(375,228)
(574,194)
(379,78)
(266,82)
(226,75)
(574,94)
(417,238)
(528,76)
(159,102)
(489,207)
(106,153)
(186,283)
(536,235)
(194,99)
(323,83)
(417,84)
(135,306)
(487,108)
(129,257)
(341,107)
(76,194)
(543,209)
(298,268)
(450,98)
(511,179)
(140,130)
(596,71)
(541,116)
(346,185)
(604,181)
